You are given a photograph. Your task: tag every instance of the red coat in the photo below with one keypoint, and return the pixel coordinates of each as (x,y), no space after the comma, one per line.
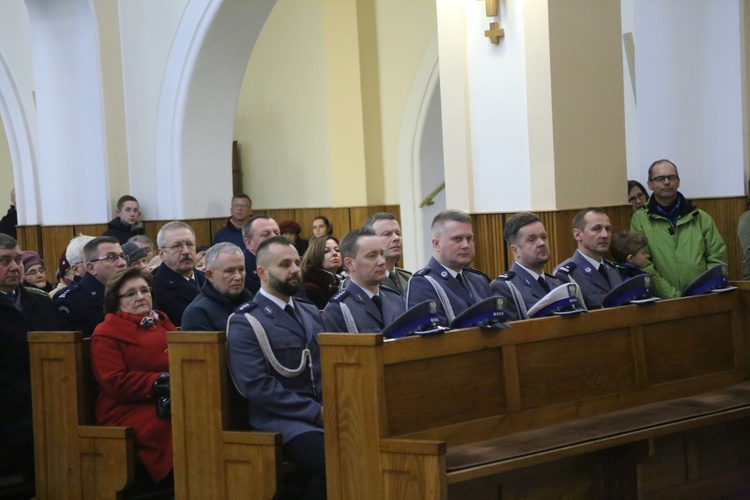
(126,359)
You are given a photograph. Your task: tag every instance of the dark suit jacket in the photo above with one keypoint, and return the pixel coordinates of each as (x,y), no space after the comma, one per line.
(530,289)
(173,293)
(593,285)
(367,317)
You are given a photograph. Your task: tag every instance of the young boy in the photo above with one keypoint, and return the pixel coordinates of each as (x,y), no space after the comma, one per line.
(126,224)
(630,251)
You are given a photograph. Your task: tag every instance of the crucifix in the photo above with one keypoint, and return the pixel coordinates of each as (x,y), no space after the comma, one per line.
(495,33)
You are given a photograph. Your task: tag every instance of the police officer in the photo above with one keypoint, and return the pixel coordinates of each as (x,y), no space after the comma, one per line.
(526,282)
(587,267)
(81,304)
(364,306)
(447,277)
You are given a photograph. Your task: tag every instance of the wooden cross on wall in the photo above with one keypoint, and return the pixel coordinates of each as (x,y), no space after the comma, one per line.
(495,33)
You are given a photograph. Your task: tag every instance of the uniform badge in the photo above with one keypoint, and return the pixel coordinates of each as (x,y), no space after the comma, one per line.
(444,274)
(587,270)
(433,307)
(526,282)
(267,310)
(93,293)
(359,297)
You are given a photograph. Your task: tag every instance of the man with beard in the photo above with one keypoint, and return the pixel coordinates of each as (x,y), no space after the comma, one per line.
(683,240)
(526,282)
(274,359)
(223,291)
(447,277)
(587,267)
(387,228)
(364,306)
(176,281)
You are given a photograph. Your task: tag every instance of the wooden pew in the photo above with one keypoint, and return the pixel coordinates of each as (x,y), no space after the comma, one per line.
(604,404)
(74,458)
(213,457)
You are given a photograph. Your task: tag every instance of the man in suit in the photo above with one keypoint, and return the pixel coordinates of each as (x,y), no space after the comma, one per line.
(587,267)
(526,282)
(81,304)
(447,277)
(254,232)
(387,228)
(274,359)
(364,306)
(176,281)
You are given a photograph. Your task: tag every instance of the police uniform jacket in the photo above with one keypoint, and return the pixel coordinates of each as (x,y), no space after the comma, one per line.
(459,297)
(252,281)
(531,291)
(209,311)
(173,293)
(277,403)
(593,285)
(81,305)
(30,310)
(230,233)
(366,315)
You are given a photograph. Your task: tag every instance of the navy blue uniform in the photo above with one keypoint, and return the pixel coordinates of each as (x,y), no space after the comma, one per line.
(593,285)
(173,293)
(81,305)
(363,311)
(521,291)
(434,282)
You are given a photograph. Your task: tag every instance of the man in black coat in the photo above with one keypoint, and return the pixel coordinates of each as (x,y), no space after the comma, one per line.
(176,281)
(256,231)
(22,310)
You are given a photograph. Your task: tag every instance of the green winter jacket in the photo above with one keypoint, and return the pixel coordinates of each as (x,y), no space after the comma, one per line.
(678,254)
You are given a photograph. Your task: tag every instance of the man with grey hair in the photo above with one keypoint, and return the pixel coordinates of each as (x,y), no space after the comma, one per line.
(176,281)
(387,228)
(74,254)
(223,291)
(145,243)
(448,278)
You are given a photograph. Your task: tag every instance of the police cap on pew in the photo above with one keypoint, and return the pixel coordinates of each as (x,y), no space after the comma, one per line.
(422,319)
(485,314)
(561,301)
(636,290)
(713,280)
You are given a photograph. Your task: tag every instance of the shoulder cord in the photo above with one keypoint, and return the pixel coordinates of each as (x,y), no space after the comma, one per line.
(265,346)
(520,303)
(351,326)
(442,297)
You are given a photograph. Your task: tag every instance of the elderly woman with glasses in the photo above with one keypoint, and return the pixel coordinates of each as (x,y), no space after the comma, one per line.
(129,359)
(34,273)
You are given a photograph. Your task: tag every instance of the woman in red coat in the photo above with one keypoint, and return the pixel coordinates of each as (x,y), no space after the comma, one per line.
(129,360)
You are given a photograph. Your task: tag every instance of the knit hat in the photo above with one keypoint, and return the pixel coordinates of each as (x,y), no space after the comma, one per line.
(62,266)
(133,252)
(31,259)
(290,226)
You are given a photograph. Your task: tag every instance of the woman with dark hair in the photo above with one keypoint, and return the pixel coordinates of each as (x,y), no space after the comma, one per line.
(321,266)
(637,195)
(321,226)
(130,361)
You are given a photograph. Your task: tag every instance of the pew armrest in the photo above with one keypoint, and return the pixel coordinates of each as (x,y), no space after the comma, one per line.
(413,468)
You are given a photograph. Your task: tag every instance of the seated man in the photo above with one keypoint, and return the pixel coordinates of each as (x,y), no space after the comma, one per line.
(587,267)
(22,310)
(254,232)
(223,292)
(447,277)
(274,359)
(364,306)
(241,211)
(526,282)
(145,243)
(176,281)
(81,304)
(126,224)
(387,228)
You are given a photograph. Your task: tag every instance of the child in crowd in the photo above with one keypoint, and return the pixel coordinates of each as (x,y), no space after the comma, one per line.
(126,224)
(630,251)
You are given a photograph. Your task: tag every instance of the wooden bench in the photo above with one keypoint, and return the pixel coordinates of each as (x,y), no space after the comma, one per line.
(74,458)
(213,456)
(605,404)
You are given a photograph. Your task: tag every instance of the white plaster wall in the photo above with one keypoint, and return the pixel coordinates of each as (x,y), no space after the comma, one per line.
(281,121)
(6,172)
(631,109)
(689,89)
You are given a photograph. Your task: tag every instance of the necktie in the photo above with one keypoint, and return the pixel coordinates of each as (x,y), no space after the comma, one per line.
(603,271)
(193,282)
(543,282)
(463,283)
(290,311)
(378,302)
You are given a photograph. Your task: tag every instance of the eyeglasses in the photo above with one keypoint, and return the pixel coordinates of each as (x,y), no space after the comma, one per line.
(146,290)
(663,178)
(176,247)
(111,257)
(34,272)
(639,196)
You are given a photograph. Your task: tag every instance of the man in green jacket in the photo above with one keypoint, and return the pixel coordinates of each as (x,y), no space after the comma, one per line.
(682,239)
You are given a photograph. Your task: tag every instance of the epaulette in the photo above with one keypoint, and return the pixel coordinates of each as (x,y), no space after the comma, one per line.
(246,307)
(609,262)
(566,268)
(340,295)
(423,272)
(73,286)
(402,270)
(304,301)
(506,276)
(388,289)
(477,271)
